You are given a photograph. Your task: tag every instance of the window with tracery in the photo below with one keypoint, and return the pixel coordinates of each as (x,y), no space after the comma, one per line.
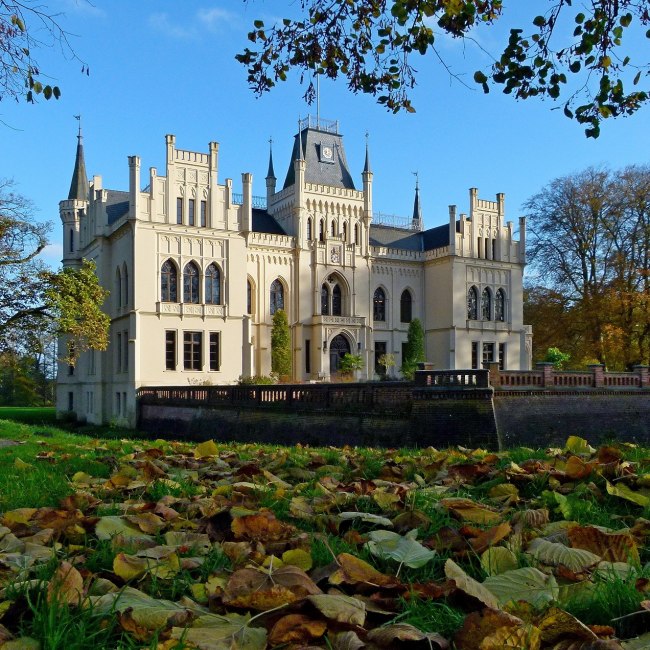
(406,307)
(472,304)
(168,282)
(379,305)
(324,300)
(500,305)
(213,285)
(277,296)
(486,305)
(191,283)
(309,230)
(336,300)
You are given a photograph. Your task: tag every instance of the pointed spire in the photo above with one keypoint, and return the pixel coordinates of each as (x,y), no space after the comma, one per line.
(366,167)
(79,188)
(270,173)
(417,209)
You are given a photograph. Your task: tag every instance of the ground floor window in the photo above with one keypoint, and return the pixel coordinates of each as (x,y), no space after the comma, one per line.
(70,401)
(380,351)
(474,355)
(215,350)
(488,353)
(308,356)
(118,403)
(502,356)
(192,350)
(170,350)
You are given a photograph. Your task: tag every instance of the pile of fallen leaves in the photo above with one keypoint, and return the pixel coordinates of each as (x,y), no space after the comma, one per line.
(220,547)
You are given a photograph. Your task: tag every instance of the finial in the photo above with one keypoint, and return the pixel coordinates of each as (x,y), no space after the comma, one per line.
(366,167)
(417,180)
(78,118)
(271,172)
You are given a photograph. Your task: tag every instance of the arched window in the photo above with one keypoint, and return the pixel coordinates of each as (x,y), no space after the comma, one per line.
(356,234)
(379,305)
(168,282)
(472,304)
(249,297)
(277,296)
(406,307)
(212,285)
(118,288)
(336,300)
(333,228)
(125,285)
(486,305)
(309,233)
(191,283)
(345,232)
(500,305)
(324,300)
(321,231)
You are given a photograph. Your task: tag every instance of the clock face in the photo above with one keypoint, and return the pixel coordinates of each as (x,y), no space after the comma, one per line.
(327,152)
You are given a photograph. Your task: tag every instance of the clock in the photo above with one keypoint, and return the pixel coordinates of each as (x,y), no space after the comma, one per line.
(335,255)
(326,153)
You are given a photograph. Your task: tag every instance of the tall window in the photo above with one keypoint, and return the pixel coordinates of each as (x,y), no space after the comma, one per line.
(125,350)
(192,352)
(356,233)
(500,305)
(168,282)
(170,350)
(125,284)
(488,353)
(380,351)
(308,356)
(472,304)
(204,214)
(486,305)
(309,233)
(277,296)
(474,355)
(249,297)
(502,356)
(71,240)
(336,300)
(324,300)
(213,285)
(333,228)
(191,283)
(215,361)
(321,230)
(118,288)
(379,305)
(190,212)
(179,210)
(406,307)
(345,232)
(118,352)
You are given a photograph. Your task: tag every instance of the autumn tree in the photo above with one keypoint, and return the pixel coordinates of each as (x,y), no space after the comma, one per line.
(281,344)
(581,55)
(35,299)
(589,251)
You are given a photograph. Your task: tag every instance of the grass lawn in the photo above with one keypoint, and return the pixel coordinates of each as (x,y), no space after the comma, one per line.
(29,414)
(109,541)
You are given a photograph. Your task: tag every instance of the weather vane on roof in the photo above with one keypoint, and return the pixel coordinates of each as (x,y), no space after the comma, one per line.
(78,118)
(417,179)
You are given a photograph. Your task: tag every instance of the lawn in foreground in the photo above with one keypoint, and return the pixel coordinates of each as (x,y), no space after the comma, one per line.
(132,543)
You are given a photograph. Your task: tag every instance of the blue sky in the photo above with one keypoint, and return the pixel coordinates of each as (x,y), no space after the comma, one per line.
(163,66)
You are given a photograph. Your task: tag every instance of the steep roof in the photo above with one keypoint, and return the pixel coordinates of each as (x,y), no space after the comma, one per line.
(312,143)
(409,240)
(264,222)
(79,187)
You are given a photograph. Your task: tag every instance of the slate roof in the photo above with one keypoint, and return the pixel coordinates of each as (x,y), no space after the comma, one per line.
(79,187)
(408,240)
(116,211)
(334,174)
(264,222)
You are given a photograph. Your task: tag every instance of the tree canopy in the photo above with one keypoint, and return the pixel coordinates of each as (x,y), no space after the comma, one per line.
(578,54)
(35,299)
(589,246)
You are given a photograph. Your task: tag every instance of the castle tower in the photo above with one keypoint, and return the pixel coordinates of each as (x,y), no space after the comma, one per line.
(74,209)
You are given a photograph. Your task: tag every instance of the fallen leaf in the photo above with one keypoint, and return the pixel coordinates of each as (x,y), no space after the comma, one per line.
(296,628)
(65,586)
(340,608)
(469,586)
(527,584)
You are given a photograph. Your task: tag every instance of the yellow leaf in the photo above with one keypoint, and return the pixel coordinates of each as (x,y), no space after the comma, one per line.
(19,516)
(207,448)
(577,445)
(624,492)
(498,560)
(298,557)
(129,567)
(21,464)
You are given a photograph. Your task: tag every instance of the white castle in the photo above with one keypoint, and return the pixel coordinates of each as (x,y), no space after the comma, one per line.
(196,272)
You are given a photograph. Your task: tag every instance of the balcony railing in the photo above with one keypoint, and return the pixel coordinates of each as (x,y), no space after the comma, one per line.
(259,202)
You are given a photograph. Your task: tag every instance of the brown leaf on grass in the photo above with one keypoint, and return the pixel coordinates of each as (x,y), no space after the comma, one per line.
(469,510)
(152,472)
(353,570)
(447,539)
(66,585)
(598,644)
(403,634)
(296,628)
(470,586)
(555,623)
(147,522)
(479,625)
(608,454)
(262,526)
(612,547)
(490,537)
(526,637)
(531,518)
(262,590)
(411,519)
(340,608)
(346,641)
(577,469)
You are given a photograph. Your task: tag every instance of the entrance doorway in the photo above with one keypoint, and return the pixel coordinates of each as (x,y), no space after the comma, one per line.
(338,347)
